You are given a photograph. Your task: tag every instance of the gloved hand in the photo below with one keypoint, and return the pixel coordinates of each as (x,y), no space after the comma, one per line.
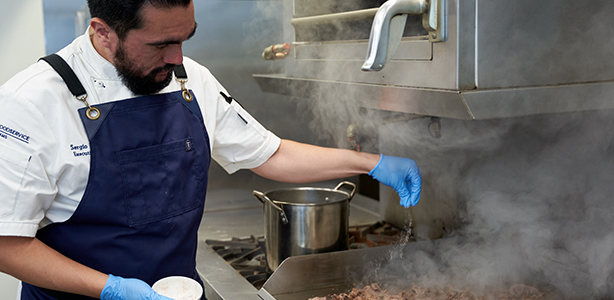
(402,174)
(118,288)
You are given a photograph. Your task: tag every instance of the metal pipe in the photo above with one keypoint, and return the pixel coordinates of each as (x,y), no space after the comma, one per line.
(378,40)
(350,15)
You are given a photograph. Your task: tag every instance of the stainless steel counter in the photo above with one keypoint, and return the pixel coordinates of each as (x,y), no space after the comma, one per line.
(234,212)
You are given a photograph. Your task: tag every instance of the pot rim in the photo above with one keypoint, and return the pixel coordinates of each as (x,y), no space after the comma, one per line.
(348,198)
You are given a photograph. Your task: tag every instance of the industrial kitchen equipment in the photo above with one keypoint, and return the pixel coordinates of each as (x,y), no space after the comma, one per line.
(483,59)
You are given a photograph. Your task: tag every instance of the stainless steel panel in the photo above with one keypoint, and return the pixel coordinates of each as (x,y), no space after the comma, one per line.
(410,100)
(441,71)
(529,43)
(508,103)
(304,8)
(302,277)
(470,105)
(503,58)
(329,18)
(220,279)
(408,50)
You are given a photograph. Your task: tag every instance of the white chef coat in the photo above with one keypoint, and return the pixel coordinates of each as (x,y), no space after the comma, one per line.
(44,150)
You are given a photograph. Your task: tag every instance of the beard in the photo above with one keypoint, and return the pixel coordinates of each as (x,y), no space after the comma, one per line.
(134,80)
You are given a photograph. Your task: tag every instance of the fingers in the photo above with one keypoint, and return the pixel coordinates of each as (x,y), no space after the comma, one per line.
(406,202)
(405,196)
(414,199)
(410,192)
(415,189)
(402,174)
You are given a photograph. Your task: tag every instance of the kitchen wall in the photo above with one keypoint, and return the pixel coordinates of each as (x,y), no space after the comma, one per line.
(18,19)
(8,287)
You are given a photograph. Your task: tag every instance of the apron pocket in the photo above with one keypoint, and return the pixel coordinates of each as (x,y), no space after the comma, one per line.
(160,181)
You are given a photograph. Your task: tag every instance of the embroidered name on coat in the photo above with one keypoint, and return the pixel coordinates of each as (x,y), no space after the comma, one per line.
(6,132)
(80,150)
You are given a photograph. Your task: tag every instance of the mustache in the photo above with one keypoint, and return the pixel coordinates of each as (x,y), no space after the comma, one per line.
(165,68)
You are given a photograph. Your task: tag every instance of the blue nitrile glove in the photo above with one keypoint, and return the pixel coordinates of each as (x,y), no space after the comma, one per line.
(118,288)
(402,174)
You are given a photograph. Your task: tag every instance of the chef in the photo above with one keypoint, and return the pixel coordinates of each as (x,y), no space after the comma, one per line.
(104,152)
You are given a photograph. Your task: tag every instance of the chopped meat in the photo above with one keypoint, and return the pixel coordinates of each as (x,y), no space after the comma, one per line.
(374,292)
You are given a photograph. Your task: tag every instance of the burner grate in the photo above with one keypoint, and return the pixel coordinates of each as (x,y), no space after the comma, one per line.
(246,255)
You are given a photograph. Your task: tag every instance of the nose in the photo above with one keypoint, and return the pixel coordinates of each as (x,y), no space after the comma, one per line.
(173,54)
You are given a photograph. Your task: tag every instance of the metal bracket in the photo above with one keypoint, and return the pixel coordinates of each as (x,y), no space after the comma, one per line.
(435,21)
(387,30)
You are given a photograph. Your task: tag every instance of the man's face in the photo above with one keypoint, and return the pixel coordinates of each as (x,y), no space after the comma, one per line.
(145,58)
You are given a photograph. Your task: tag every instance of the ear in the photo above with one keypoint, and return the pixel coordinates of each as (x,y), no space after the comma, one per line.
(106,37)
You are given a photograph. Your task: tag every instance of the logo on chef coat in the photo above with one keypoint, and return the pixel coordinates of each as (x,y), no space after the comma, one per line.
(80,150)
(7,132)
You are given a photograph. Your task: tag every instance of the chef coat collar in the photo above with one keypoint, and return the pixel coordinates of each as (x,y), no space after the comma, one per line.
(104,68)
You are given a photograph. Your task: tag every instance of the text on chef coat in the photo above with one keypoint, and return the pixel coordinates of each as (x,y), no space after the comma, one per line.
(80,150)
(6,132)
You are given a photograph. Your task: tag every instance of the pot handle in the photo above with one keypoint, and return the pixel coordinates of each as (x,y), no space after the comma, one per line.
(342,183)
(262,197)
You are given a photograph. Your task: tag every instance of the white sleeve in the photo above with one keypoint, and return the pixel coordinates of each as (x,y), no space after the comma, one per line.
(240,141)
(25,188)
(237,140)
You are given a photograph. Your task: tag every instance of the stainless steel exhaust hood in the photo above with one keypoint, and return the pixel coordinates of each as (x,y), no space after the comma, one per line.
(483,60)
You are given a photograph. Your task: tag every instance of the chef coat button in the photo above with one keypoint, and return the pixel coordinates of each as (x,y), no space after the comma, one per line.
(99,83)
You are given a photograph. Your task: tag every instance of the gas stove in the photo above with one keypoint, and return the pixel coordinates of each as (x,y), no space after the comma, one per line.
(247,255)
(236,213)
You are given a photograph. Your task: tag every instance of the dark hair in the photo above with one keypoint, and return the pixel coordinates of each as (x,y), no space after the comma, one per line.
(124,15)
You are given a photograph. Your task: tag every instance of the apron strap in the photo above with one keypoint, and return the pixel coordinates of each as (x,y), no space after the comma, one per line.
(182,77)
(73,83)
(180,72)
(60,66)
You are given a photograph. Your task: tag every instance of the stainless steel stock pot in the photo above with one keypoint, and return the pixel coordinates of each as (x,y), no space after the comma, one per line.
(305,220)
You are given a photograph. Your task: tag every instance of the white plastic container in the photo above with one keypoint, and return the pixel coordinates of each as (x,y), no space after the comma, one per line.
(179,288)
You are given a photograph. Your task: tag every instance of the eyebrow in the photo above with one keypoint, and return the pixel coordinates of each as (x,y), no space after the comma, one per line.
(172,41)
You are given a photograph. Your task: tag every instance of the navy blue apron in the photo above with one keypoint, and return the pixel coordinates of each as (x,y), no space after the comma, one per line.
(144,199)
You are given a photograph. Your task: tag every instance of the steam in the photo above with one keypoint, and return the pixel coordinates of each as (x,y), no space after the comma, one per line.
(530,199)
(526,200)
(535,195)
